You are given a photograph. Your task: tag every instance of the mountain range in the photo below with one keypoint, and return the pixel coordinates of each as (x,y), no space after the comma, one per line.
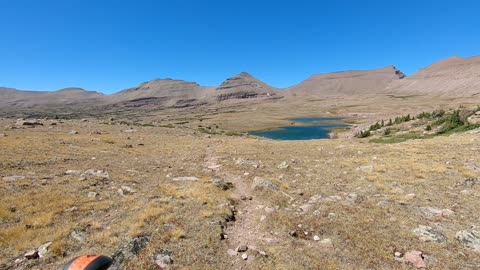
(452,77)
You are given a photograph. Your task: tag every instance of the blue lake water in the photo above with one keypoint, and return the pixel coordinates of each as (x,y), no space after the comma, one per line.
(319,129)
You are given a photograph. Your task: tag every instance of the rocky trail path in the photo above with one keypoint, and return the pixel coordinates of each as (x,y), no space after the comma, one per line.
(244,234)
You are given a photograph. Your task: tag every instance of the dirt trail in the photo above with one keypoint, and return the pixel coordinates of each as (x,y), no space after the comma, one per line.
(246,229)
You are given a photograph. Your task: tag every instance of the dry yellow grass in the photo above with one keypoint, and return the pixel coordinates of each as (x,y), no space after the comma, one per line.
(186,217)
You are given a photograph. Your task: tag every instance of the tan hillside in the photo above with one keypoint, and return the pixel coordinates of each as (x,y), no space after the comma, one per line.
(357,82)
(455,76)
(166,92)
(21,98)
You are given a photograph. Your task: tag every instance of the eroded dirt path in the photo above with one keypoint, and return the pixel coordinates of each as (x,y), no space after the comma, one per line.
(249,212)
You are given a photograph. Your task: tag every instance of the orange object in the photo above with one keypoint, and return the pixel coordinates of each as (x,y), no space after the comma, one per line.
(89,262)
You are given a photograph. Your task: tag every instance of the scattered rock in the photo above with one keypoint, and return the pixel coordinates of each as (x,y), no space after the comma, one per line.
(163,258)
(366,169)
(383,203)
(222,184)
(430,212)
(92,173)
(73,209)
(415,258)
(185,178)
(73,132)
(73,172)
(242,248)
(3,135)
(355,198)
(468,183)
(214,167)
(92,194)
(469,238)
(283,165)
(131,130)
(232,252)
(252,163)
(126,190)
(474,119)
(331,199)
(13,178)
(262,183)
(30,123)
(43,249)
(130,250)
(306,207)
(293,234)
(244,256)
(32,254)
(316,238)
(428,234)
(79,236)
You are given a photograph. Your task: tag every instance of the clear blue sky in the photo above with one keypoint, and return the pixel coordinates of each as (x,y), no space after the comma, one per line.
(110,45)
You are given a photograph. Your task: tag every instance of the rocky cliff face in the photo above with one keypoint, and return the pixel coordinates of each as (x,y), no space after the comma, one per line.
(245,86)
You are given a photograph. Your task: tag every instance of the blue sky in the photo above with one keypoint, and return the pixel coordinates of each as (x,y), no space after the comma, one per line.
(110,45)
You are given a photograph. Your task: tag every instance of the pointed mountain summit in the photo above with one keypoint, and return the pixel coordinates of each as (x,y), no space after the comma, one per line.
(454,76)
(243,86)
(354,82)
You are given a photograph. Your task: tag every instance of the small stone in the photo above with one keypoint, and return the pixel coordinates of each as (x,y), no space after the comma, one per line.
(306,207)
(355,198)
(469,238)
(293,234)
(32,254)
(126,190)
(383,203)
(163,259)
(131,130)
(13,178)
(222,184)
(73,132)
(398,254)
(243,198)
(366,169)
(3,135)
(92,194)
(327,242)
(415,258)
(428,234)
(244,256)
(262,183)
(263,217)
(94,173)
(73,172)
(232,252)
(316,238)
(73,209)
(242,248)
(430,212)
(283,165)
(185,178)
(79,236)
(43,249)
